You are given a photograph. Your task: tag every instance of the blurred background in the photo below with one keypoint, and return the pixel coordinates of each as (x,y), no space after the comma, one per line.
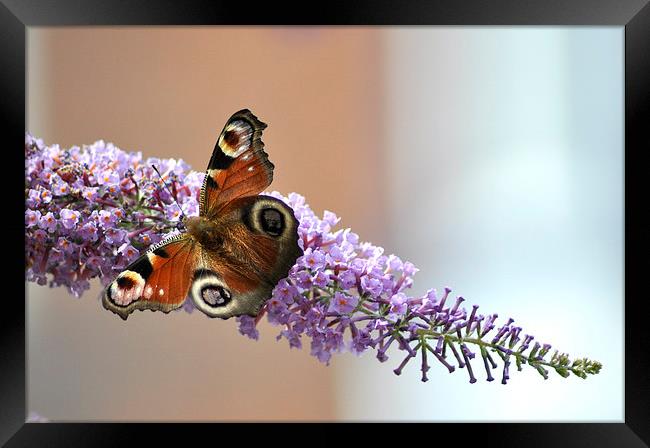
(490,157)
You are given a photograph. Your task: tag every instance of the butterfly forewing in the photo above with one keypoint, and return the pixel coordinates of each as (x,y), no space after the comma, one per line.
(239,166)
(158,280)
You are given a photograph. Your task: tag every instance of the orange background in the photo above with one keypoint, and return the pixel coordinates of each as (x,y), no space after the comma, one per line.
(167,92)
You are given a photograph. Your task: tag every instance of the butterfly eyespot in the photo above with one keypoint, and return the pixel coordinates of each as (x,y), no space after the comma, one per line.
(236,138)
(231,138)
(127,288)
(209,293)
(125,283)
(272,221)
(215,296)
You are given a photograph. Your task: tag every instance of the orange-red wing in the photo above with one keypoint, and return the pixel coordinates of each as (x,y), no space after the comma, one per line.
(158,280)
(239,166)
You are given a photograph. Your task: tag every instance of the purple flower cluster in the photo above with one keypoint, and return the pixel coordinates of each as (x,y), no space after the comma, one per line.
(347,295)
(90,211)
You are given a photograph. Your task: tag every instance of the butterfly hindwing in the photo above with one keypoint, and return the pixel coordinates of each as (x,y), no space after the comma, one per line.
(158,280)
(239,166)
(261,247)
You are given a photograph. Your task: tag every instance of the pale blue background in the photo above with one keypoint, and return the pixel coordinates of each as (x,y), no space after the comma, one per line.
(504,151)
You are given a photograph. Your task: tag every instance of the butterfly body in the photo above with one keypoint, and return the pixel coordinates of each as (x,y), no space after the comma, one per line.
(233,254)
(204,231)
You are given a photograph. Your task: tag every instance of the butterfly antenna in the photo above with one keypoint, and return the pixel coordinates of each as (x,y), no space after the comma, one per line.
(170,192)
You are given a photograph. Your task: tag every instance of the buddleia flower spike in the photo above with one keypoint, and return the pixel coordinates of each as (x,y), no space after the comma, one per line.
(89,211)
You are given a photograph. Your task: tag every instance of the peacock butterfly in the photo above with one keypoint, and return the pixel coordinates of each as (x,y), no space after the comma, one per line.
(231,256)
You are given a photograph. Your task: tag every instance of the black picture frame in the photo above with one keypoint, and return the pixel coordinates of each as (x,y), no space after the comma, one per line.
(634,15)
